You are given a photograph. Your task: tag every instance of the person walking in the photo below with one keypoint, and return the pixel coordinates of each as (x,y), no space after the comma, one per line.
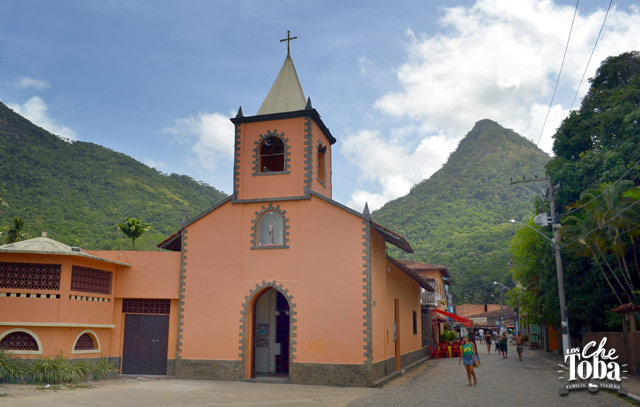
(467,356)
(503,345)
(519,344)
(487,339)
(481,335)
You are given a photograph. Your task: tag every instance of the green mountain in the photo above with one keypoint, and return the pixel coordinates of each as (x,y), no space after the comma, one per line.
(78,192)
(459,217)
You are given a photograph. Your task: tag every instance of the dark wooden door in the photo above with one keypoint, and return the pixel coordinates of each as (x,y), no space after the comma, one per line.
(146,338)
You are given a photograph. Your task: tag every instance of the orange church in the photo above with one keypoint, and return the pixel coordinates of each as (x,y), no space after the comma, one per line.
(278,280)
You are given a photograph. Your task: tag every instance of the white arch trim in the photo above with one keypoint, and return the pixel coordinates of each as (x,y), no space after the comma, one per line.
(23,352)
(95,339)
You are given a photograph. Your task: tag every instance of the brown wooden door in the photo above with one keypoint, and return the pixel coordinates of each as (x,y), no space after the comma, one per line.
(146,338)
(396,303)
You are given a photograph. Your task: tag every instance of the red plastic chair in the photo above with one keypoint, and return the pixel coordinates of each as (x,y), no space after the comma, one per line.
(444,351)
(433,352)
(455,351)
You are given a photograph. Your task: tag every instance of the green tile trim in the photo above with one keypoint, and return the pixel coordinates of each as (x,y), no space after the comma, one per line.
(367,296)
(308,155)
(255,223)
(181,292)
(256,153)
(248,299)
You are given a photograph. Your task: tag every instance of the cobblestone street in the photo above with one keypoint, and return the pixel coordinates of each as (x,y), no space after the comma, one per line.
(532,382)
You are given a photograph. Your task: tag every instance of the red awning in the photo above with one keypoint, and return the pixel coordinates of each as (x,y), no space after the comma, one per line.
(465,321)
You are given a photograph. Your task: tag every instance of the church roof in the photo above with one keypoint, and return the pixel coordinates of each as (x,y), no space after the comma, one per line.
(286,93)
(45,245)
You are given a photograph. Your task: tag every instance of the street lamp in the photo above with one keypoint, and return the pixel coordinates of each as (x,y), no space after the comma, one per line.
(501,301)
(564,322)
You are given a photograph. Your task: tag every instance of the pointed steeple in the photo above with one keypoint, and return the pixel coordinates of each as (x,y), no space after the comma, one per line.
(366,212)
(286,93)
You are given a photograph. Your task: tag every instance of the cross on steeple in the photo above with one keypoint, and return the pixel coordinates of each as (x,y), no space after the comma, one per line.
(288,39)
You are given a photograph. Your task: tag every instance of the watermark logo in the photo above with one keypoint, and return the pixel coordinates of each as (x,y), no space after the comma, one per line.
(592,368)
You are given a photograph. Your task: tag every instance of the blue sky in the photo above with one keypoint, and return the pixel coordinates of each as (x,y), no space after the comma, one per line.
(399,84)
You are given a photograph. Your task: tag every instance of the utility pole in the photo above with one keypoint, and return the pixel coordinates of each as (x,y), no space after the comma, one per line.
(555,227)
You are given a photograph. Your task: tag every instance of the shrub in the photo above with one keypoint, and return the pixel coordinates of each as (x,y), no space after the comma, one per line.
(11,370)
(447,335)
(58,370)
(52,371)
(102,368)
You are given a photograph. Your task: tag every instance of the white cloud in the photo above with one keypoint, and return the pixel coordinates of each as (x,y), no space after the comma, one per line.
(158,165)
(25,82)
(211,136)
(36,111)
(363,64)
(496,59)
(394,163)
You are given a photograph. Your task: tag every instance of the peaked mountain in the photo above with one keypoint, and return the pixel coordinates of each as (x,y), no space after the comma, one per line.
(459,217)
(78,192)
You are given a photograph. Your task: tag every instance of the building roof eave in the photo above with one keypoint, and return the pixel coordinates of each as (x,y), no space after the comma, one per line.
(423,282)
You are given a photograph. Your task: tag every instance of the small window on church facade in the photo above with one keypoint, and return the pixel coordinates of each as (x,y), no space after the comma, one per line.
(271,226)
(270,229)
(272,155)
(321,164)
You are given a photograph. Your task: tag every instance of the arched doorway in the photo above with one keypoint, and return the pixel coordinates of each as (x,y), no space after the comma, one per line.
(271,335)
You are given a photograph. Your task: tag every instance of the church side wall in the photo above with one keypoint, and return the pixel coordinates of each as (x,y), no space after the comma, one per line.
(57,317)
(390,283)
(321,271)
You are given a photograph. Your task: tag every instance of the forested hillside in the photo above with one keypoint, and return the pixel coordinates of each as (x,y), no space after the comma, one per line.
(459,217)
(78,192)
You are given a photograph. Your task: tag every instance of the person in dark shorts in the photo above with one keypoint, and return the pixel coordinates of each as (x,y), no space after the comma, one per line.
(503,345)
(487,339)
(519,344)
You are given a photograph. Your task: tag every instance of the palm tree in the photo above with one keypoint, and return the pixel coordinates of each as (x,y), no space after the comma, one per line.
(605,229)
(16,233)
(133,228)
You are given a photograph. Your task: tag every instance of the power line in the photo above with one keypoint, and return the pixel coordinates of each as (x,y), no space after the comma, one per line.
(603,191)
(557,81)
(559,73)
(592,51)
(600,226)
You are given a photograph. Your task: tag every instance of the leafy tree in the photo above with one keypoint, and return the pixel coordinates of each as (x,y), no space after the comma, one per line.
(133,228)
(595,146)
(15,232)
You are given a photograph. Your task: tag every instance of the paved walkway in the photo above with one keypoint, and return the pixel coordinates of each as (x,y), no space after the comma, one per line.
(442,382)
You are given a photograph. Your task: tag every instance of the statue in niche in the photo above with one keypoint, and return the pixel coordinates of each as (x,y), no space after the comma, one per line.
(272,238)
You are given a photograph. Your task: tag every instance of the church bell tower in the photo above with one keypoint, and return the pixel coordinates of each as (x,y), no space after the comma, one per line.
(284,151)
